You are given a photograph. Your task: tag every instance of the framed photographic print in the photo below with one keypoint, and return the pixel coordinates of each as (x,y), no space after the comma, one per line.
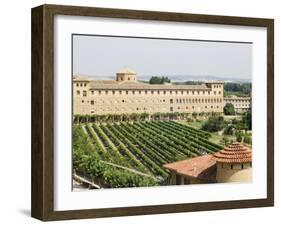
(141,112)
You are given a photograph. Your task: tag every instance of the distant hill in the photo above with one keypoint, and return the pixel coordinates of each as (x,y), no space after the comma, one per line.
(184,78)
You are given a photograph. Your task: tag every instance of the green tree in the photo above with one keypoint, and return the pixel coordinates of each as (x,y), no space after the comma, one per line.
(228,130)
(194,115)
(229,109)
(247,120)
(247,138)
(239,136)
(213,124)
(224,141)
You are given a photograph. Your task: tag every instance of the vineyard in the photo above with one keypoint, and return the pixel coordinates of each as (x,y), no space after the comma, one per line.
(131,154)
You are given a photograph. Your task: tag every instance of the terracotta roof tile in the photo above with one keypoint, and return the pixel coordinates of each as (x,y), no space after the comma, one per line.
(234,153)
(202,167)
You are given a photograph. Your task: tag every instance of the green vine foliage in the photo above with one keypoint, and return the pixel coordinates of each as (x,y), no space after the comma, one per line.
(87,163)
(132,154)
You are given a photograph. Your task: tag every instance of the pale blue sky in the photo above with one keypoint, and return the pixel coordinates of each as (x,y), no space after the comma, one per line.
(102,57)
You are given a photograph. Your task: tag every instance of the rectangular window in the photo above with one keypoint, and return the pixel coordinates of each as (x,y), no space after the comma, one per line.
(78,92)
(92,102)
(84,93)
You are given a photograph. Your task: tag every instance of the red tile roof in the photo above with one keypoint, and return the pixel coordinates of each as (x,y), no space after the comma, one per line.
(202,167)
(234,153)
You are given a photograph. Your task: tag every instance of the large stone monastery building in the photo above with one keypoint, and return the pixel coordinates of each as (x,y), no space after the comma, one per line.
(127,95)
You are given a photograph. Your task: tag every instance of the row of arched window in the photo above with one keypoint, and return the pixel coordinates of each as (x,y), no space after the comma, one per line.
(172,101)
(152,92)
(196,100)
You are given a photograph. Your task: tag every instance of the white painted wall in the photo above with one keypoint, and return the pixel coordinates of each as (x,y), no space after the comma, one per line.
(15,95)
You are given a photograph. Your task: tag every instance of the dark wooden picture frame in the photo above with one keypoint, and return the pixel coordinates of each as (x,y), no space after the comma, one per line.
(43,112)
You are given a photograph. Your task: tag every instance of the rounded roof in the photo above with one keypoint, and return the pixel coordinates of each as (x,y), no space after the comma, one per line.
(126,71)
(234,153)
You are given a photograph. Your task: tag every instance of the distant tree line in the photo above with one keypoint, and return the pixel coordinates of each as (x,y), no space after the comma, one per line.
(189,83)
(159,80)
(243,88)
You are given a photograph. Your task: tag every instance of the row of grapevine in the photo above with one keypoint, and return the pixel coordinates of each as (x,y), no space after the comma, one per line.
(197,138)
(150,153)
(111,154)
(192,142)
(179,141)
(151,142)
(86,162)
(167,142)
(198,132)
(141,156)
(123,150)
(140,148)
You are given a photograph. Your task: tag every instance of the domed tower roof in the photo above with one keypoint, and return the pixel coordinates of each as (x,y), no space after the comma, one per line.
(126,75)
(234,153)
(126,71)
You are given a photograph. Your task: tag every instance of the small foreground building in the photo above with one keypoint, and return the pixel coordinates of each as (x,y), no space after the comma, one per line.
(232,164)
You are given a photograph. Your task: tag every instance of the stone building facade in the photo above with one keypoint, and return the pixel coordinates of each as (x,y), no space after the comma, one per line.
(241,104)
(126,95)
